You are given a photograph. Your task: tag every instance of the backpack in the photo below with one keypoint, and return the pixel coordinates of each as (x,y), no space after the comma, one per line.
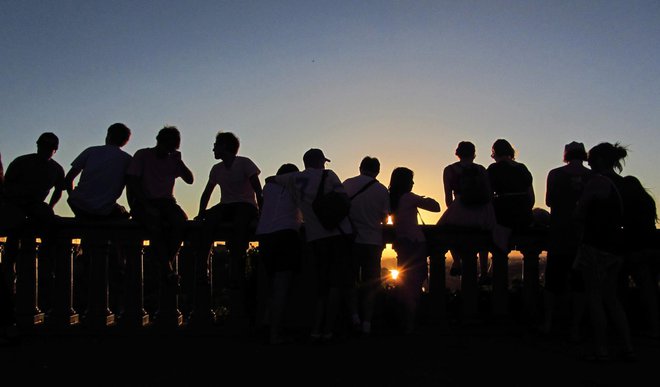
(472,187)
(330,208)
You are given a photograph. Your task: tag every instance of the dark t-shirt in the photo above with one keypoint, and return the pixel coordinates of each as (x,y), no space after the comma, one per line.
(30,178)
(510,182)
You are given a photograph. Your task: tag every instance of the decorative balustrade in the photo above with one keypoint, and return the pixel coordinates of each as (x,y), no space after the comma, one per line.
(99,240)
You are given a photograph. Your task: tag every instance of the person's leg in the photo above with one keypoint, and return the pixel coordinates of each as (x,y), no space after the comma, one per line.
(594,293)
(371,284)
(614,307)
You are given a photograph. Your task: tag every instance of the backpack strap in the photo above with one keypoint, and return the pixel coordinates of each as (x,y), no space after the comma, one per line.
(364,188)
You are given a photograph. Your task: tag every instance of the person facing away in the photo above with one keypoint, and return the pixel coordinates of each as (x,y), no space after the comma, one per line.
(563,190)
(103,177)
(600,213)
(410,243)
(511,183)
(279,247)
(330,247)
(150,191)
(28,181)
(31,177)
(370,203)
(468,197)
(240,200)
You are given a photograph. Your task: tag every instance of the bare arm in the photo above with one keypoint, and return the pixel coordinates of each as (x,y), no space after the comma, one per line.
(446,179)
(204,199)
(186,174)
(258,191)
(429,204)
(530,195)
(70,177)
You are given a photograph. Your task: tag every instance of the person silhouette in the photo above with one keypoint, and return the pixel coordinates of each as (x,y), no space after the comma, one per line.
(410,243)
(600,212)
(280,248)
(27,182)
(150,191)
(370,204)
(330,247)
(564,188)
(240,200)
(102,170)
(473,208)
(103,178)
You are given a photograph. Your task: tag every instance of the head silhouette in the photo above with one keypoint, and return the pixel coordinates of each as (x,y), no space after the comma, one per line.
(370,166)
(465,150)
(225,142)
(47,144)
(168,139)
(575,151)
(605,157)
(287,168)
(314,158)
(503,149)
(401,182)
(118,135)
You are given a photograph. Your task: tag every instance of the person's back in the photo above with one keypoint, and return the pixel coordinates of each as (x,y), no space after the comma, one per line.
(511,183)
(102,172)
(30,178)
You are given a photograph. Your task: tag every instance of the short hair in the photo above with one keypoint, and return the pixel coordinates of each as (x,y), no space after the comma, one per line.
(118,134)
(287,168)
(503,148)
(465,149)
(370,164)
(169,134)
(229,140)
(48,139)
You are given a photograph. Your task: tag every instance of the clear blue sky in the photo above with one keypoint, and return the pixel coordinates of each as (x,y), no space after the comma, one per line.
(404,81)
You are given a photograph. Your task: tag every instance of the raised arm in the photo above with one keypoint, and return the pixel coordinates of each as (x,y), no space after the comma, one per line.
(186,174)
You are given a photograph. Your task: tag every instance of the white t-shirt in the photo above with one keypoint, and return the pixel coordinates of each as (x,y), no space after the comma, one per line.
(368,209)
(303,186)
(405,217)
(234,182)
(102,179)
(279,211)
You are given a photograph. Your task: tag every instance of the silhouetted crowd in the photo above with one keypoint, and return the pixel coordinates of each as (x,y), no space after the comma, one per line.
(602,224)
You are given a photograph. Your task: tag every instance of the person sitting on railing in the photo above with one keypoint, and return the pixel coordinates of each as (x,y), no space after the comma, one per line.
(410,243)
(102,171)
(468,197)
(103,178)
(150,192)
(28,181)
(240,200)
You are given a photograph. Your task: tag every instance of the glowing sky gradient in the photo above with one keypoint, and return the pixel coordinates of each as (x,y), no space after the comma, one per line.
(404,81)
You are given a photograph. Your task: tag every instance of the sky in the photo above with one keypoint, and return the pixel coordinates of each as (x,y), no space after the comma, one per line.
(403,81)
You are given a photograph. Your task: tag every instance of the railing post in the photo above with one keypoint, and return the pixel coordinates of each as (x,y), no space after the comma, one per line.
(62,313)
(28,313)
(202,313)
(531,281)
(437,283)
(469,283)
(134,313)
(500,300)
(98,312)
(168,313)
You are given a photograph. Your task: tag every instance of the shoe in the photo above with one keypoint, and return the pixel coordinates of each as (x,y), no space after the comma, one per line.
(594,358)
(485,281)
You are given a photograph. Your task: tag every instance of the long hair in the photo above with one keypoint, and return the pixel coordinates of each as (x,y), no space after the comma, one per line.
(401,182)
(608,155)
